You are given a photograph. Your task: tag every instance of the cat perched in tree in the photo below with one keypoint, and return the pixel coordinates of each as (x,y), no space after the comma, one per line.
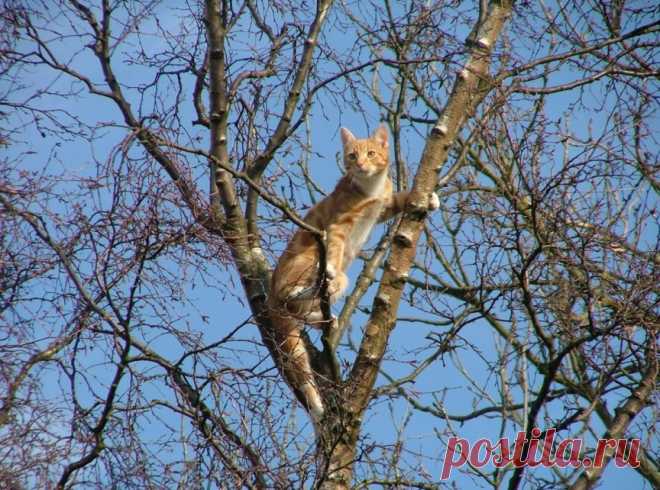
(362,198)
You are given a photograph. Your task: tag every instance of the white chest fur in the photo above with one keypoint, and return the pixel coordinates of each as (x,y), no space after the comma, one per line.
(373,187)
(361,230)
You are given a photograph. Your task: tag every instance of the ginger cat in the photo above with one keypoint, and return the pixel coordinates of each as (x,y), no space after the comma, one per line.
(362,198)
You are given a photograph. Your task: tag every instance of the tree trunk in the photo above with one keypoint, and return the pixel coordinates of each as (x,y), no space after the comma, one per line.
(472,84)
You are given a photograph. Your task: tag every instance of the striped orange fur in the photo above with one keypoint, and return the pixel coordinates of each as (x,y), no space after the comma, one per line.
(363,197)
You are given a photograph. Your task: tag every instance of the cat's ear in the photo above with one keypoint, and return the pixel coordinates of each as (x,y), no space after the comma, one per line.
(346,136)
(381,136)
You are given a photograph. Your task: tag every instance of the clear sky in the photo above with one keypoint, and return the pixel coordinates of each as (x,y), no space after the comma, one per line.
(212,310)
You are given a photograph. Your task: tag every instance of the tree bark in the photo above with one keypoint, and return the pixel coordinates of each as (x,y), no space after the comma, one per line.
(470,87)
(625,414)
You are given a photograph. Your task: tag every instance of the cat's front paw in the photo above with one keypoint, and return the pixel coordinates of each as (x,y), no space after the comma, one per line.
(337,286)
(434,201)
(330,272)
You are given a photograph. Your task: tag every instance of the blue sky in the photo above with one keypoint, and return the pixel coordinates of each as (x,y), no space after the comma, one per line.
(225,311)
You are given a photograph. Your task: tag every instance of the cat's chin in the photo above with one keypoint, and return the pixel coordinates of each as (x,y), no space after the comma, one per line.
(369,173)
(370,181)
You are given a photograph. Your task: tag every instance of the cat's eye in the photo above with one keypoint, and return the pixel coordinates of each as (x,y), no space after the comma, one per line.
(352,156)
(371,154)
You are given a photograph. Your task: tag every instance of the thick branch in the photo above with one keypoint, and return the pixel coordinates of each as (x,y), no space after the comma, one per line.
(625,413)
(469,89)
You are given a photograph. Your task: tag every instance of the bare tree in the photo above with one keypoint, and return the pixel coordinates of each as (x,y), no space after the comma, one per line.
(157,159)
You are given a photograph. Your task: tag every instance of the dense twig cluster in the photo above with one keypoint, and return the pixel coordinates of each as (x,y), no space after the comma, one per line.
(156,159)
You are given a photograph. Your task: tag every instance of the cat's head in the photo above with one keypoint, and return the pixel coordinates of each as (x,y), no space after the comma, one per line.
(364,158)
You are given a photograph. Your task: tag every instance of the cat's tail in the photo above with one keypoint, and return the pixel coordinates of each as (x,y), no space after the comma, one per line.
(295,363)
